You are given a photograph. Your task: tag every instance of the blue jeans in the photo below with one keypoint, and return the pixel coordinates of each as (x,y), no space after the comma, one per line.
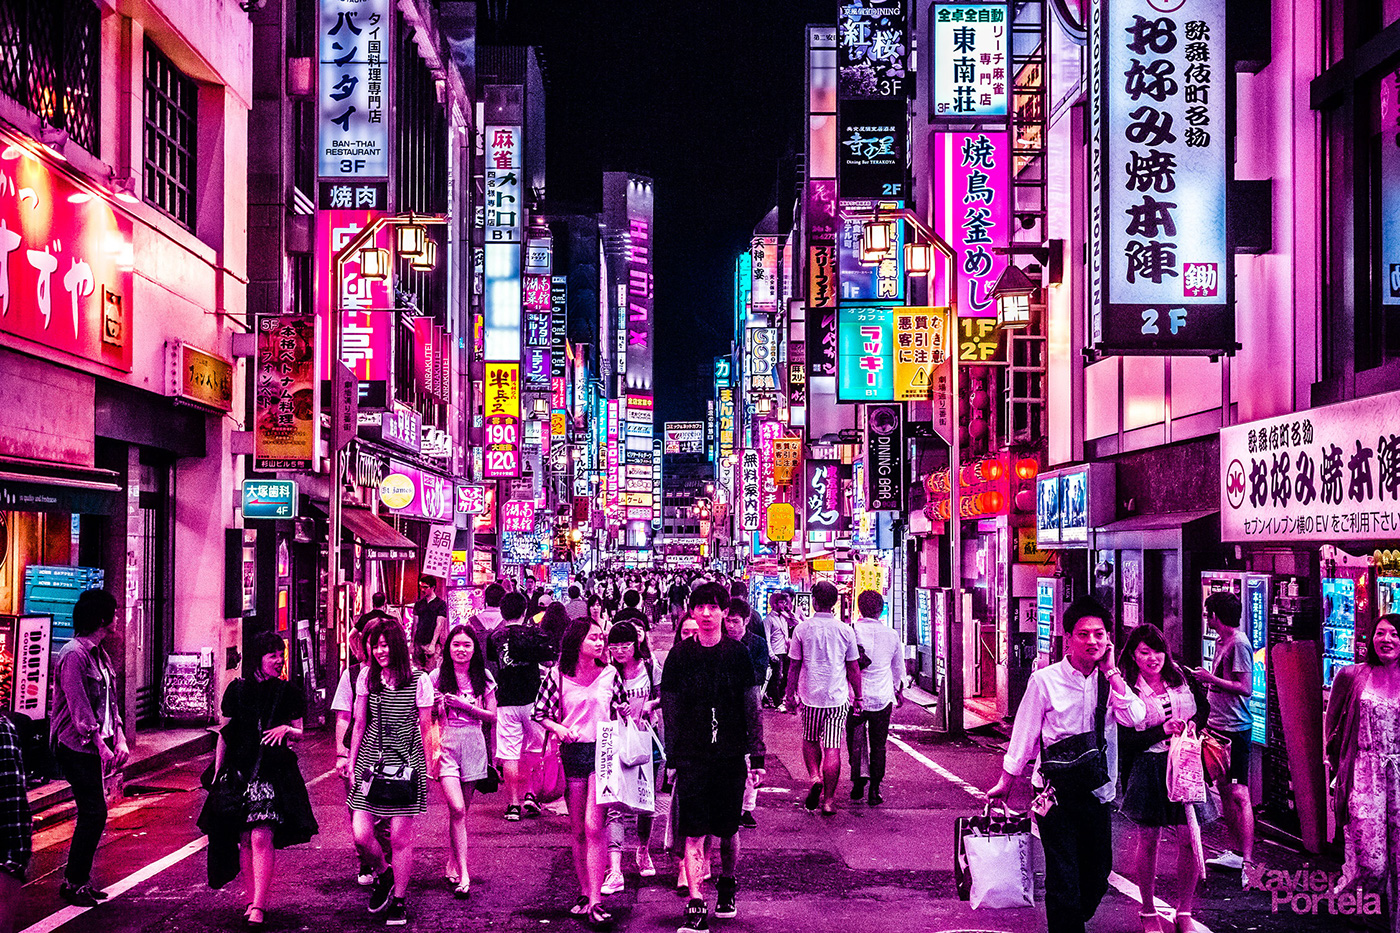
(83,772)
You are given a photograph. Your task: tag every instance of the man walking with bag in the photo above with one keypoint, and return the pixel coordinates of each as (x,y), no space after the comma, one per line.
(1063,720)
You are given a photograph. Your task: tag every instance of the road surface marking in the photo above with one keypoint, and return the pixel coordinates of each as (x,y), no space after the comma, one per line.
(934,766)
(57,919)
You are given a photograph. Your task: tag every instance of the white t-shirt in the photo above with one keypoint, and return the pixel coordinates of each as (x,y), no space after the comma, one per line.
(344,701)
(823,644)
(886,670)
(423,685)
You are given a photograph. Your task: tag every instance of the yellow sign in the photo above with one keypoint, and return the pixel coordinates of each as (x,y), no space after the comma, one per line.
(205,378)
(787,452)
(869,575)
(782,522)
(920,346)
(502,390)
(978,339)
(824,564)
(557,424)
(1026,550)
(396,491)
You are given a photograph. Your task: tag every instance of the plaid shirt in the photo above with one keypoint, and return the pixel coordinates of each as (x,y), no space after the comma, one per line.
(549,705)
(16,823)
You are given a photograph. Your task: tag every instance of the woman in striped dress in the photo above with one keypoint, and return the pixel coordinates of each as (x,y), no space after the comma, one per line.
(393,710)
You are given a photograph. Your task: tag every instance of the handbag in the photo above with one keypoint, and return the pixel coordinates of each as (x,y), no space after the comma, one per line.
(491,783)
(259,796)
(992,859)
(1078,764)
(389,785)
(1215,755)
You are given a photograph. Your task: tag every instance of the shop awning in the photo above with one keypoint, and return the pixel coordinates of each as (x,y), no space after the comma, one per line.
(1164,530)
(61,489)
(381,541)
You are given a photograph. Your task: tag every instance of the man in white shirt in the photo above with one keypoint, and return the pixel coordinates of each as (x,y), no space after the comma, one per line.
(1061,701)
(824,675)
(881,664)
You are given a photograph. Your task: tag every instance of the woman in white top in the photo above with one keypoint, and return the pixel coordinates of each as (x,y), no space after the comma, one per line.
(632,659)
(465,701)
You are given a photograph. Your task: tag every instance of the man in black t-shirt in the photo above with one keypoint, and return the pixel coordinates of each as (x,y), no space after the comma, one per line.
(710,702)
(515,651)
(429,624)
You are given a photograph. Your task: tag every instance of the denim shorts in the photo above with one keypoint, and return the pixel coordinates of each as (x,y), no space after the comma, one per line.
(579,759)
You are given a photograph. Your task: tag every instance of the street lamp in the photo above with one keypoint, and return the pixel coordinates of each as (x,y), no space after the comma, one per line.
(411,232)
(1012,293)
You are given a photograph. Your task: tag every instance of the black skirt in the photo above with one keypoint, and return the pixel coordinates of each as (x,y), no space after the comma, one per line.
(1145,795)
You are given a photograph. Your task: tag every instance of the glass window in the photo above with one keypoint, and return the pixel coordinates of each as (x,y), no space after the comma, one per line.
(171,102)
(49,63)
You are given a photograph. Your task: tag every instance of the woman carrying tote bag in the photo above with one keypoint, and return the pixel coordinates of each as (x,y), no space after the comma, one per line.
(393,712)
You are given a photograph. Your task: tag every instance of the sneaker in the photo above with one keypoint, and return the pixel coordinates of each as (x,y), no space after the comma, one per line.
(382,893)
(76,894)
(1226,861)
(365,879)
(531,806)
(96,892)
(858,788)
(397,915)
(725,906)
(645,866)
(696,918)
(612,883)
(513,814)
(746,820)
(874,798)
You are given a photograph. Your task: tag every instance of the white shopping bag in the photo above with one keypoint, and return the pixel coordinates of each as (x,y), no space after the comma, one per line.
(633,786)
(998,857)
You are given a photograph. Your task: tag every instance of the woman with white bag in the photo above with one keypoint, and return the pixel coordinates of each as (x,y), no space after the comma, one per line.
(632,659)
(1175,706)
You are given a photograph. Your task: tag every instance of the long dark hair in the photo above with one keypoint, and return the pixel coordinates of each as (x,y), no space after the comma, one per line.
(401,672)
(573,641)
(476,667)
(1151,636)
(1373,659)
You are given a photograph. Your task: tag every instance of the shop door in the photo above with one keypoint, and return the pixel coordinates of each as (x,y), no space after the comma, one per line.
(153,607)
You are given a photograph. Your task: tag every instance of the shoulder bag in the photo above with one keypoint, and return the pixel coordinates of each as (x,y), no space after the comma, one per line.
(389,784)
(1078,764)
(259,796)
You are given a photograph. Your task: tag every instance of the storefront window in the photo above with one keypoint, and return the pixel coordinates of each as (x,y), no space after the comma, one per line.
(171,126)
(49,62)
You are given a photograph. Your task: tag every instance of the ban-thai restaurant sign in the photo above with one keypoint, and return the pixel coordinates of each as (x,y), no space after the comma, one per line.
(65,262)
(1325,474)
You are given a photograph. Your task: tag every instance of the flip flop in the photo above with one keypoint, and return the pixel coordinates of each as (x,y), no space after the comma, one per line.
(580,908)
(814,797)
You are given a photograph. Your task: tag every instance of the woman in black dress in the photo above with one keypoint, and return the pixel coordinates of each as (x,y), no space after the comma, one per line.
(263,718)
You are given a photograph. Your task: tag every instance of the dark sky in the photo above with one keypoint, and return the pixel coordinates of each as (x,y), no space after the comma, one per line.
(703,95)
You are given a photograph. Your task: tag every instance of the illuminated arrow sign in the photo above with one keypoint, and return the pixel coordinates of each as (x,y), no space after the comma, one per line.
(269,498)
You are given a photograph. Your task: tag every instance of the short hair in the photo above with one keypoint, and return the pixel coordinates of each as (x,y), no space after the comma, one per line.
(575,592)
(261,644)
(740,589)
(631,598)
(1373,659)
(824,596)
(738,606)
(1084,607)
(427,579)
(871,604)
(493,595)
(512,606)
(1225,607)
(709,594)
(379,600)
(94,609)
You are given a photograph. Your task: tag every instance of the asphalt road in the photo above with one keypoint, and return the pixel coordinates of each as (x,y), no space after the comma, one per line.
(866,869)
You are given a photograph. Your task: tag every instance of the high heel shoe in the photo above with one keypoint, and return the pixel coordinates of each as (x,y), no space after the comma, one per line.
(254,924)
(1184,923)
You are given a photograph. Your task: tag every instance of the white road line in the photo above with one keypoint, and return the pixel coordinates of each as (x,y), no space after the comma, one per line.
(1120,884)
(57,919)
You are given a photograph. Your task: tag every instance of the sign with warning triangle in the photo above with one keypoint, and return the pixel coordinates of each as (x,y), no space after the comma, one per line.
(921,343)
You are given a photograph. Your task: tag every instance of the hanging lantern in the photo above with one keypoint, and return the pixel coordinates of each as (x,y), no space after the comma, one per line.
(374,263)
(412,240)
(917,258)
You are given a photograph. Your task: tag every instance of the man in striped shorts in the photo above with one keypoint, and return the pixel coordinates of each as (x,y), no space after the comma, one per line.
(825,677)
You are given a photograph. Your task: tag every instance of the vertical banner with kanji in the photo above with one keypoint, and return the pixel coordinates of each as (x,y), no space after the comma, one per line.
(501,410)
(285,402)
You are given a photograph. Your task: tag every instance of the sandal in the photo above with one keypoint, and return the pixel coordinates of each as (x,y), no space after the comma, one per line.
(257,924)
(1184,923)
(580,908)
(462,891)
(1151,921)
(598,918)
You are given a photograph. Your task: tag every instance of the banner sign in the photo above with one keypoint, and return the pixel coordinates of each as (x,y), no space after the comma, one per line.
(471,498)
(367,321)
(356,42)
(537,292)
(285,402)
(684,437)
(920,348)
(1161,266)
(972,211)
(639,284)
(504,201)
(430,496)
(558,328)
(518,515)
(726,421)
(749,489)
(866,282)
(823,497)
(866,354)
(763,253)
(1326,474)
(536,367)
(874,50)
(763,359)
(884,446)
(970,47)
(787,454)
(501,411)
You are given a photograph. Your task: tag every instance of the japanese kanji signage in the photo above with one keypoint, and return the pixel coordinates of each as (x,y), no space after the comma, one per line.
(558,329)
(285,409)
(471,498)
(518,515)
(763,253)
(874,50)
(356,41)
(972,211)
(884,448)
(762,363)
(1325,474)
(787,454)
(501,410)
(860,281)
(504,204)
(749,487)
(684,437)
(536,365)
(65,264)
(726,421)
(366,304)
(866,354)
(970,45)
(1389,141)
(1160,254)
(920,347)
(872,148)
(537,289)
(823,497)
(504,209)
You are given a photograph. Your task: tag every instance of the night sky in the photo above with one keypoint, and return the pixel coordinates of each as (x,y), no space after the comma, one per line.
(705,97)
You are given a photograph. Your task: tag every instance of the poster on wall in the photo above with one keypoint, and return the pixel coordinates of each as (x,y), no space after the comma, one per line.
(1161,264)
(285,400)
